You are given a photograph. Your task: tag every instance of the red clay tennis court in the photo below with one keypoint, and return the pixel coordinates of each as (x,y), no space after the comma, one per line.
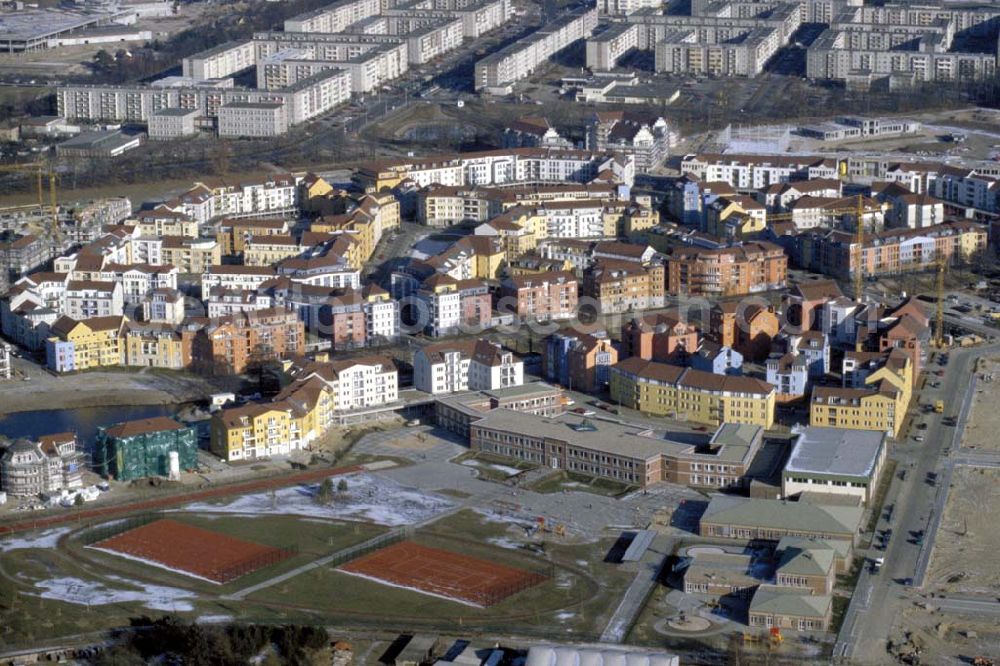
(443,573)
(191,550)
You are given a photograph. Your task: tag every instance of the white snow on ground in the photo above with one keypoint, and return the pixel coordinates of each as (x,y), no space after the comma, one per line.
(369,498)
(46,539)
(213,619)
(503,469)
(504,542)
(153,563)
(92,593)
(494,516)
(407,587)
(565,615)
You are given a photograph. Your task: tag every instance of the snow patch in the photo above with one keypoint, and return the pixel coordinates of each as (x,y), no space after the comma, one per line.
(370,498)
(92,593)
(46,539)
(503,469)
(504,542)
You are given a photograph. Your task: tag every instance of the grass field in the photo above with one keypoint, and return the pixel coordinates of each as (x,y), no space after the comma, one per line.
(556,483)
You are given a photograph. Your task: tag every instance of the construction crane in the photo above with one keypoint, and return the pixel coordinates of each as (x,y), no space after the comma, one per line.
(858,211)
(41,170)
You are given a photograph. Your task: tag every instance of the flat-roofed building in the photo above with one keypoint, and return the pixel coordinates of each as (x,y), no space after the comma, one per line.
(835,461)
(220,61)
(456,413)
(173,123)
(261,119)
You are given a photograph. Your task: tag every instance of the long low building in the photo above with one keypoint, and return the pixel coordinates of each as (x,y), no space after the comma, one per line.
(836,461)
(622,453)
(751,519)
(681,392)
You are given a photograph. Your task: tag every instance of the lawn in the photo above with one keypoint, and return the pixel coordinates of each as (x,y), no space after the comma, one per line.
(571,481)
(574,602)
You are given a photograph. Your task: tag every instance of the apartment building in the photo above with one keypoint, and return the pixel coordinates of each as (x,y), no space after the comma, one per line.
(6,365)
(493,368)
(607,47)
(540,297)
(156,345)
(733,271)
(443,367)
(334,17)
(48,465)
(755,172)
(227,345)
(747,327)
(252,119)
(220,61)
(235,277)
(501,69)
(662,389)
(693,52)
(84,299)
(620,286)
(618,452)
(889,252)
(880,404)
(192,256)
(448,305)
(533,132)
(19,255)
(579,360)
(357,383)
(659,337)
(84,344)
(257,431)
(172,123)
(302,101)
(646,137)
(164,306)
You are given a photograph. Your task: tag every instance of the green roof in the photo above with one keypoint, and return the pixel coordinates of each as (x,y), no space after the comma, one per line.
(781,514)
(805,557)
(775,600)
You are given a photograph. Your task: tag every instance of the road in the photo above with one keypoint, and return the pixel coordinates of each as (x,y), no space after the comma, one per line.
(918,504)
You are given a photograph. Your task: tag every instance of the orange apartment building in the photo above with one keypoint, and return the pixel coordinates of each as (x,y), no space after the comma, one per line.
(620,286)
(748,329)
(541,297)
(732,271)
(227,345)
(659,337)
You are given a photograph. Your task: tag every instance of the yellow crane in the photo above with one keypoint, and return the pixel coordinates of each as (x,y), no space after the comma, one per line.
(41,170)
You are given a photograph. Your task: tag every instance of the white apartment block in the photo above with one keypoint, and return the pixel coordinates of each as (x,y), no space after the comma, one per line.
(260,119)
(136,103)
(746,172)
(626,7)
(172,123)
(85,299)
(335,17)
(606,48)
(221,61)
(6,366)
(236,278)
(691,52)
(443,367)
(492,368)
(224,302)
(426,44)
(500,70)
(277,196)
(363,382)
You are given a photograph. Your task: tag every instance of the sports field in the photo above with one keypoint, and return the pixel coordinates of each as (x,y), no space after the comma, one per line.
(192,551)
(443,573)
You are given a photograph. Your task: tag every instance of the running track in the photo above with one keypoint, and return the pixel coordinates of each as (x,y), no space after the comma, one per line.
(183,498)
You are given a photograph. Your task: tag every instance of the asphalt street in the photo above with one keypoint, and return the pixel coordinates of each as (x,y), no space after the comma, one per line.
(918,504)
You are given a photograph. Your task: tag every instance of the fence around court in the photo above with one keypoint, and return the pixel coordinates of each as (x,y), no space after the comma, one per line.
(375,543)
(105,531)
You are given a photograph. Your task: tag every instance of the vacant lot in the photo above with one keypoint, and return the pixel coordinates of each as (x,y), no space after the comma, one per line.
(984,419)
(964,559)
